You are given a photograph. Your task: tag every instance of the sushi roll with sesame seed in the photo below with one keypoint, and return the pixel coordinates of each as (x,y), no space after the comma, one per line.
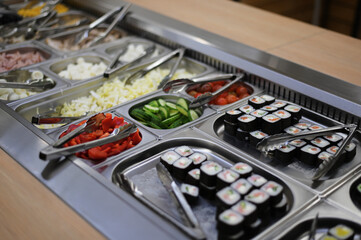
(242,186)
(184,151)
(256,180)
(303,125)
(285,153)
(292,130)
(226,178)
(260,198)
(342,232)
(269,99)
(232,115)
(181,167)
(321,143)
(242,135)
(197,159)
(190,192)
(258,114)
(230,127)
(193,177)
(243,169)
(279,104)
(256,136)
(295,112)
(285,116)
(308,154)
(257,102)
(168,158)
(275,191)
(209,171)
(247,123)
(226,198)
(248,210)
(247,109)
(229,222)
(271,124)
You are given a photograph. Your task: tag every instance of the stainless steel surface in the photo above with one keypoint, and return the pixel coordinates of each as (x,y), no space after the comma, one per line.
(32,84)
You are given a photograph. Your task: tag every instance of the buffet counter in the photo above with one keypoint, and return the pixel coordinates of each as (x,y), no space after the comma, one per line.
(31,210)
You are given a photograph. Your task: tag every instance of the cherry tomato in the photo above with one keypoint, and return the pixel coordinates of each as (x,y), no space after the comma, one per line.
(206,88)
(221,101)
(232,88)
(241,90)
(216,87)
(243,95)
(219,83)
(197,95)
(231,98)
(223,94)
(192,93)
(232,93)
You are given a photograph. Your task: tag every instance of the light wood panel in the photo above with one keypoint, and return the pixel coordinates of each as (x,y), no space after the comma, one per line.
(28,210)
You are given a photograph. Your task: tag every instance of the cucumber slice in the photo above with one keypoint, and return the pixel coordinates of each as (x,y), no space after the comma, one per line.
(153,125)
(154,103)
(170,120)
(139,114)
(163,112)
(177,123)
(183,103)
(192,115)
(151,108)
(171,105)
(199,111)
(151,115)
(185,119)
(173,112)
(161,102)
(182,110)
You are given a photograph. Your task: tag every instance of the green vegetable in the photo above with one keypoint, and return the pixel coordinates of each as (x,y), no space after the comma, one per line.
(171,105)
(151,108)
(161,102)
(182,110)
(154,103)
(192,115)
(183,103)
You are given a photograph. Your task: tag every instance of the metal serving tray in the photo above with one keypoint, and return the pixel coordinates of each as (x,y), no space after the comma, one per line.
(139,168)
(297,170)
(329,216)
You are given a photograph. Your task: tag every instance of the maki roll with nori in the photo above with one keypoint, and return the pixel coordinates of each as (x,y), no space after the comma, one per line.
(321,143)
(342,232)
(193,177)
(190,192)
(207,191)
(247,123)
(247,109)
(184,151)
(242,186)
(295,112)
(198,159)
(259,114)
(243,169)
(229,222)
(168,158)
(181,167)
(275,191)
(303,125)
(260,198)
(271,124)
(315,127)
(285,153)
(332,150)
(257,102)
(242,135)
(209,171)
(298,143)
(232,115)
(256,136)
(226,178)
(256,180)
(350,151)
(308,154)
(269,109)
(230,127)
(292,130)
(327,237)
(226,198)
(247,210)
(285,116)
(333,138)
(269,99)
(323,156)
(358,192)
(279,104)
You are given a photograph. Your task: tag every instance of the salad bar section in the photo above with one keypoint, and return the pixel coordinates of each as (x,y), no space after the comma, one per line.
(137,121)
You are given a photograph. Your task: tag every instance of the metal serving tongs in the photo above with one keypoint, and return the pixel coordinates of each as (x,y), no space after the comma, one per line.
(54,153)
(178,198)
(114,67)
(140,73)
(32,84)
(312,233)
(49,118)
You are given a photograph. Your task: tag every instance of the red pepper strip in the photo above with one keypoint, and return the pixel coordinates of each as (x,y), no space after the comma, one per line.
(136,137)
(130,144)
(118,120)
(106,124)
(96,153)
(118,149)
(109,115)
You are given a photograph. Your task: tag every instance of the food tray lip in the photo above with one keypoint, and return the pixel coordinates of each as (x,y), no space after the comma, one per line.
(208,128)
(301,196)
(326,210)
(49,64)
(160,94)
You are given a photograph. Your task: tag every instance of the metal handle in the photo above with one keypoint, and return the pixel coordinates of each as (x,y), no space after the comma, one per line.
(103,18)
(173,69)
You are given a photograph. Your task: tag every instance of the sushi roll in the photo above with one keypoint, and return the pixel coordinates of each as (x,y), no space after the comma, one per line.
(271,124)
(358,191)
(193,177)
(232,115)
(181,167)
(281,207)
(285,153)
(257,102)
(258,114)
(279,104)
(285,116)
(350,151)
(292,130)
(243,169)
(197,159)
(209,171)
(321,143)
(226,178)
(302,125)
(242,135)
(226,198)
(247,109)
(269,109)
(207,191)
(327,237)
(298,143)
(269,99)
(247,123)
(184,151)
(323,156)
(342,232)
(242,186)
(190,192)
(333,138)
(308,154)
(260,198)
(314,127)
(168,158)
(275,191)
(256,136)
(229,222)
(230,128)
(247,210)
(295,112)
(256,180)
(332,150)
